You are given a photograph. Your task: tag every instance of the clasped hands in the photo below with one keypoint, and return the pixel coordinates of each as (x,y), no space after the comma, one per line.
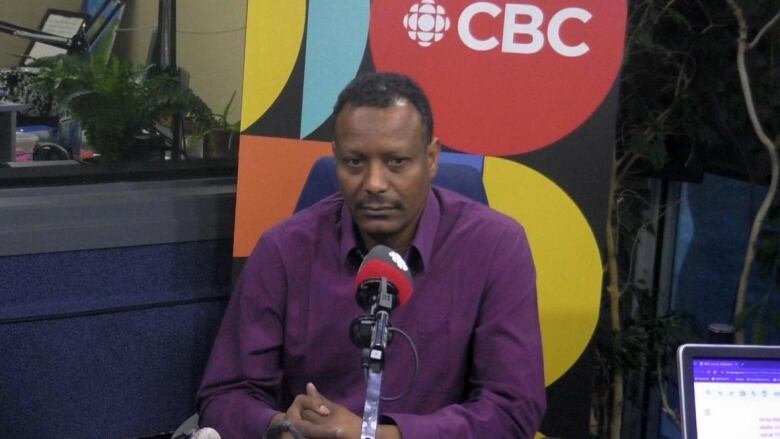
(316,417)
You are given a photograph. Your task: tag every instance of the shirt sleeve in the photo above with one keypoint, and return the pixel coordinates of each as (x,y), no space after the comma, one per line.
(243,374)
(506,397)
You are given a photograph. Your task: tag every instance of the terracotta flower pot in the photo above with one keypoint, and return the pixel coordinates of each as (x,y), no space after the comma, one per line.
(222,143)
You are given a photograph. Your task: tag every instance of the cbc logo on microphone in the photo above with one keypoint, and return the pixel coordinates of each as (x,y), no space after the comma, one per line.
(427,22)
(399,261)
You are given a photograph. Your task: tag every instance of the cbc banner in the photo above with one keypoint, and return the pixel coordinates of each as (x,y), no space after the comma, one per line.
(525,91)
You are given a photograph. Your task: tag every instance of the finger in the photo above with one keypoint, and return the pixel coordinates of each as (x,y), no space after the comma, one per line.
(311,430)
(312,416)
(312,391)
(306,402)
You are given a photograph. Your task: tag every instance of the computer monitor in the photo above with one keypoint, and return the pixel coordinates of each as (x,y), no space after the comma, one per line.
(729,391)
(105,17)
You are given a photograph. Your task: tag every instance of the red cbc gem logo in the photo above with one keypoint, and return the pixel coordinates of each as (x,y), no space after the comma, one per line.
(504,77)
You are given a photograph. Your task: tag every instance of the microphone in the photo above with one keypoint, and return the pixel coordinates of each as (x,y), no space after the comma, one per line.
(380,263)
(383,282)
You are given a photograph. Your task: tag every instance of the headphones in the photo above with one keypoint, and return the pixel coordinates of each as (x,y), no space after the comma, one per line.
(51,151)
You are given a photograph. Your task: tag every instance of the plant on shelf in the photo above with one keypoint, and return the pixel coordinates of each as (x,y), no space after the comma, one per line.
(116,102)
(221,138)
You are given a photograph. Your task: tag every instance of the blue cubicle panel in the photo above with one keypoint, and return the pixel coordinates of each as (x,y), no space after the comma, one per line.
(107,343)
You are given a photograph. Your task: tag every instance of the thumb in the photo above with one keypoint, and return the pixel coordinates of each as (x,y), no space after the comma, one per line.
(311,390)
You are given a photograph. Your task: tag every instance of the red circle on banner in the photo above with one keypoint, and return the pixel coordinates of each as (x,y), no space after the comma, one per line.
(503,77)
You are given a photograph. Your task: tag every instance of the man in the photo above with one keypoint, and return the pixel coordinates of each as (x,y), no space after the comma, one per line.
(283,351)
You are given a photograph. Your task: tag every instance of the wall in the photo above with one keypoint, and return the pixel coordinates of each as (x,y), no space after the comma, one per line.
(210,45)
(210,42)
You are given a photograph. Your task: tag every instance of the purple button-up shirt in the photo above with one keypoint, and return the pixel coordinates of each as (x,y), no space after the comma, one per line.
(473,317)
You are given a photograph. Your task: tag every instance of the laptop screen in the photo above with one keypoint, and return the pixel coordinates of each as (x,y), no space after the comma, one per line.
(731,392)
(737,397)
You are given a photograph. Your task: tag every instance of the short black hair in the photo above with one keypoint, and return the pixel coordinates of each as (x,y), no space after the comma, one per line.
(381,90)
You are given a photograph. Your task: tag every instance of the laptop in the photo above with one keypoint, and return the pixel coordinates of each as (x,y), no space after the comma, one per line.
(729,391)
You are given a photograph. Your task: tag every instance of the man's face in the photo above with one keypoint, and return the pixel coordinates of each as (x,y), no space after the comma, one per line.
(384,170)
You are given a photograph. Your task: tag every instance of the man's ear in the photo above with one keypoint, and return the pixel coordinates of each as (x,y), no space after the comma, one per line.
(333,148)
(432,155)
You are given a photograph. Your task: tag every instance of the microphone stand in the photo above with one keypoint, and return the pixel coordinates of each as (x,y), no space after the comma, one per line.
(166,23)
(374,360)
(76,44)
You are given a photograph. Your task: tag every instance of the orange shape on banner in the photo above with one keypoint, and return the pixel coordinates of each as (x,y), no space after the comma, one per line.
(270,178)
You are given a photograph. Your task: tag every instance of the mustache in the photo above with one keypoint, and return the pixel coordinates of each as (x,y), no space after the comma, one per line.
(378,200)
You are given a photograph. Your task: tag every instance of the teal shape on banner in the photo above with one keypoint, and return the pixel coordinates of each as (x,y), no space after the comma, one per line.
(336,38)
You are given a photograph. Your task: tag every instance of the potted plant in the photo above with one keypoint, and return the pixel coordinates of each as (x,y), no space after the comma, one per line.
(116,102)
(222,136)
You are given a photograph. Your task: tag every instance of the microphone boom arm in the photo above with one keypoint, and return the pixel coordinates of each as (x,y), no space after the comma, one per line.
(73,45)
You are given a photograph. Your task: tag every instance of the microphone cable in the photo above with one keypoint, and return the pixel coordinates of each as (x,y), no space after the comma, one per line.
(415,370)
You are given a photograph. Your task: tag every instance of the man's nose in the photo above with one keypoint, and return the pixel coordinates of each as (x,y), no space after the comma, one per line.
(376,178)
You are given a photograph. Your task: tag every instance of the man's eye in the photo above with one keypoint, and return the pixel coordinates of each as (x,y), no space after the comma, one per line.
(397,162)
(352,162)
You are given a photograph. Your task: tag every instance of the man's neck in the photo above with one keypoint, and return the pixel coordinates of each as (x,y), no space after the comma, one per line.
(367,242)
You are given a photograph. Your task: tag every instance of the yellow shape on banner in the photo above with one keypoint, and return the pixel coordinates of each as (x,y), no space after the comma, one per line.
(274,34)
(567,258)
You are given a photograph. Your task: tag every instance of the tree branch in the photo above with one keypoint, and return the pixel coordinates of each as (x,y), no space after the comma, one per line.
(742,46)
(763,31)
(666,407)
(613,293)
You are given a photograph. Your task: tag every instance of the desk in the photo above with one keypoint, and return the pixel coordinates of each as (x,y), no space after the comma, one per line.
(8,112)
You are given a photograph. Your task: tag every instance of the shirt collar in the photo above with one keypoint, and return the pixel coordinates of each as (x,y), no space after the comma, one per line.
(422,243)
